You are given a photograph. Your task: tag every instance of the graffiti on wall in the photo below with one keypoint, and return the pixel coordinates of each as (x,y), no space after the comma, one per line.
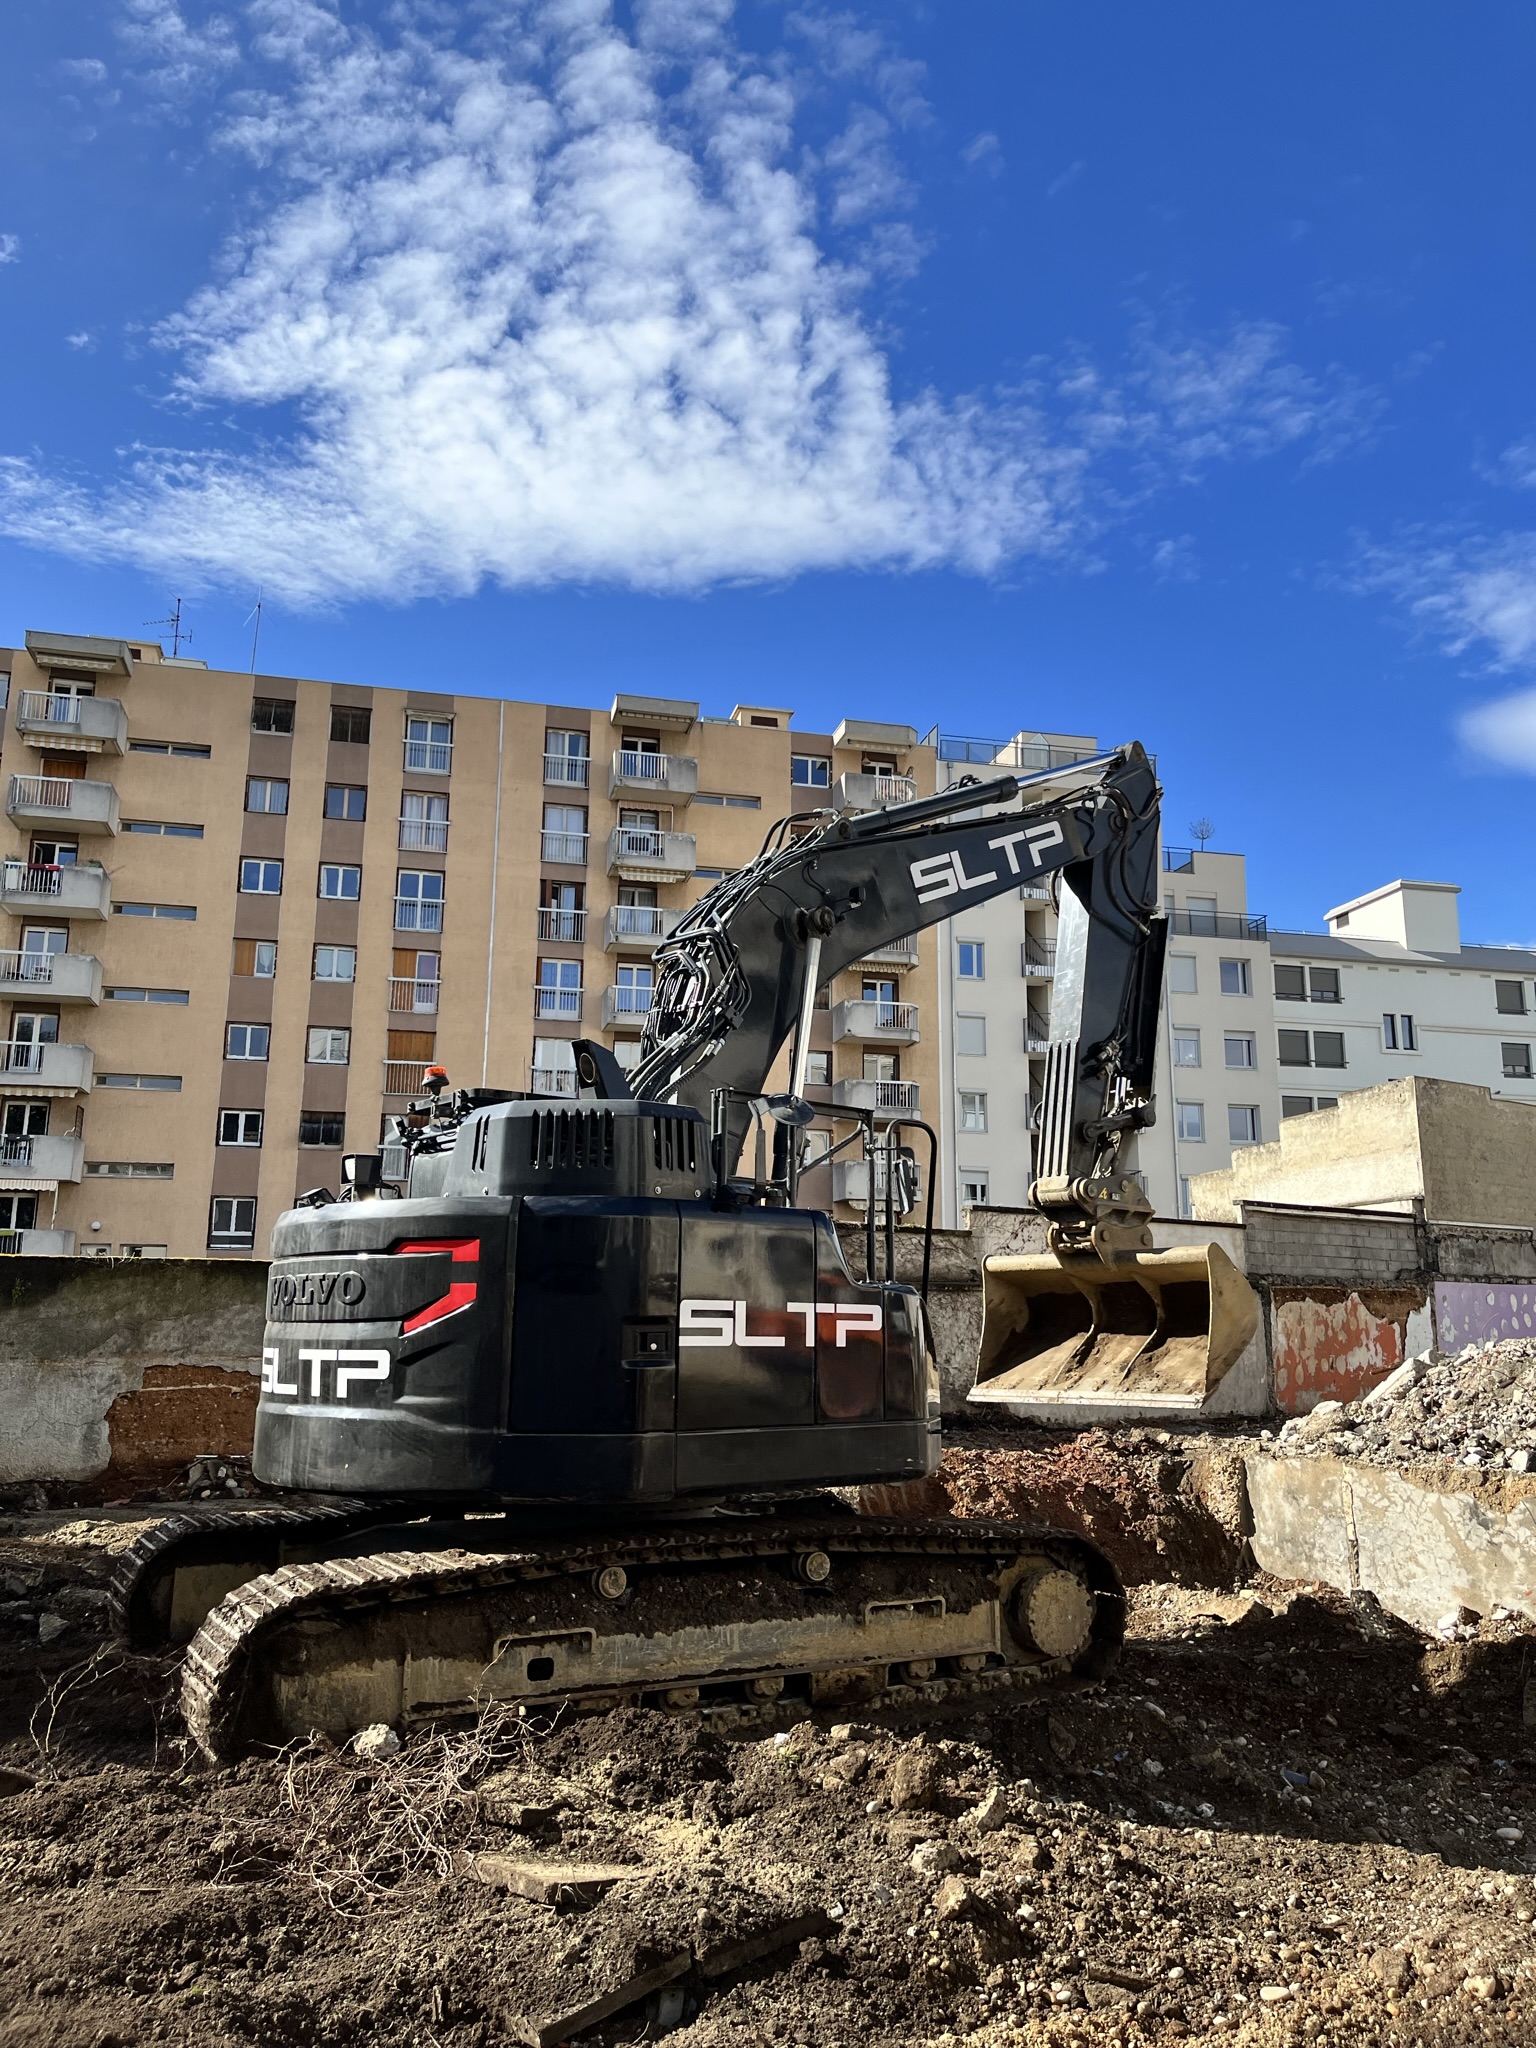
(1473,1312)
(1330,1345)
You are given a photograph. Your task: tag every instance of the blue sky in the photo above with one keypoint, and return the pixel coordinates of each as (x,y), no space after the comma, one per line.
(1140,371)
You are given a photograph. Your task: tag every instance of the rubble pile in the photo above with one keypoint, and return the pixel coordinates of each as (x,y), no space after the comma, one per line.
(1477,1410)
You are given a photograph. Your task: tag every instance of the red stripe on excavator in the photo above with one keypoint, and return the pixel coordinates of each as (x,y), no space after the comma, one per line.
(465,1251)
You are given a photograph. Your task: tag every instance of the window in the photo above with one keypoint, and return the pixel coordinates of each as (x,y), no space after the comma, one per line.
(1238,1049)
(1509,998)
(1182,980)
(1234,978)
(1517,1062)
(1290,983)
(973,1110)
(162,1084)
(346,800)
(1389,1031)
(261,878)
(559,989)
(1407,1034)
(240,1126)
(1190,1122)
(187,911)
(256,957)
(971,1036)
(1295,984)
(232,1222)
(156,829)
(1295,1049)
(1312,1049)
(1328,1049)
(1186,1048)
(1243,1123)
(147,995)
(818,1070)
(335,963)
(974,1188)
(428,745)
(735,803)
(320,1127)
(328,1046)
(566,757)
(564,838)
(129,1169)
(246,1041)
(178,747)
(423,822)
(1186,1206)
(1323,984)
(272,714)
(418,901)
(971,960)
(1303,1105)
(350,723)
(144,1251)
(1202,916)
(1398,1033)
(268,794)
(810,771)
(341,884)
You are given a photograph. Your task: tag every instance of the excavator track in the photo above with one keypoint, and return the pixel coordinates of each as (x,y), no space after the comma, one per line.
(738,1621)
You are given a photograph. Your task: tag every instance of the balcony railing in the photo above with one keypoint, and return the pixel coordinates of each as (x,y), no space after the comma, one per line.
(1217,924)
(564,1003)
(564,927)
(641,851)
(1037,1033)
(67,977)
(428,757)
(564,849)
(1035,892)
(626,1004)
(1038,959)
(850,1180)
(423,835)
(552,1080)
(872,792)
(871,1018)
(899,953)
(419,998)
(47,1156)
(885,1098)
(52,799)
(1178,860)
(671,775)
(638,925)
(403,1077)
(1031,757)
(570,770)
(50,1069)
(415,914)
(83,725)
(37,1244)
(66,890)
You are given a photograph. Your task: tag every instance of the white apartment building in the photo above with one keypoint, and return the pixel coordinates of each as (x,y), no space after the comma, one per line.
(1258,1024)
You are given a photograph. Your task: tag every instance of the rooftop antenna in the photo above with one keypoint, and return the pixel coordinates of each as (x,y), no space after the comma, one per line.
(179,632)
(255,614)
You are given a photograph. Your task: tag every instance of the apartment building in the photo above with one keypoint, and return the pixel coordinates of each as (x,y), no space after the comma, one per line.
(241,914)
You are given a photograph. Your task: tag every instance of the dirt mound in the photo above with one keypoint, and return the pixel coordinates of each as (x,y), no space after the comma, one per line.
(1286,1821)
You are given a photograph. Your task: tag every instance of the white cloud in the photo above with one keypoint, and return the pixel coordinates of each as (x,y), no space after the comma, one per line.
(1174,559)
(984,152)
(554,309)
(88,70)
(1503,732)
(171,56)
(82,340)
(10,248)
(1067,177)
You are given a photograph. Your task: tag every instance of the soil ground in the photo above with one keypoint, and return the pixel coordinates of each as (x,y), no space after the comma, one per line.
(1278,1823)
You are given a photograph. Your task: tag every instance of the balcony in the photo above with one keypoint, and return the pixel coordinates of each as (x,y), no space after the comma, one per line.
(563,849)
(563,927)
(567,771)
(562,1004)
(641,855)
(61,977)
(412,998)
(1037,1033)
(429,757)
(878,1022)
(418,913)
(70,891)
(71,725)
(42,1158)
(1037,960)
(850,1181)
(403,1077)
(885,1098)
(37,1244)
(57,800)
(552,1080)
(1217,924)
(872,792)
(899,953)
(675,776)
(626,1007)
(1035,892)
(423,835)
(27,1068)
(638,927)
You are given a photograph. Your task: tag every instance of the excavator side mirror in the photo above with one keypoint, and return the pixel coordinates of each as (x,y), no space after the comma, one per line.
(793,1110)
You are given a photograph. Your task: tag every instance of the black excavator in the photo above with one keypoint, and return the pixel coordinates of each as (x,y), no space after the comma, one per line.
(566,1413)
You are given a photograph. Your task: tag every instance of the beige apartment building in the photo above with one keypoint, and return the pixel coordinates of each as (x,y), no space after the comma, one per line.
(241,913)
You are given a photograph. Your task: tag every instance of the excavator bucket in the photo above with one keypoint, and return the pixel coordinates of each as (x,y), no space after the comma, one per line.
(1155,1330)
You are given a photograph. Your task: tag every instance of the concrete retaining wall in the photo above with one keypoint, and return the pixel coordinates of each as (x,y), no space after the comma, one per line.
(123,1372)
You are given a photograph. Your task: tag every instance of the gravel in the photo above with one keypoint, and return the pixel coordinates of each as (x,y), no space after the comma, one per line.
(1476,1410)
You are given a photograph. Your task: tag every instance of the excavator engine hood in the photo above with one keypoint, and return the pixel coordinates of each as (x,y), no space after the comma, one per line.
(1155,1330)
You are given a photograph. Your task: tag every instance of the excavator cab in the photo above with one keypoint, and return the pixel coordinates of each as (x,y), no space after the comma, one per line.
(1158,1329)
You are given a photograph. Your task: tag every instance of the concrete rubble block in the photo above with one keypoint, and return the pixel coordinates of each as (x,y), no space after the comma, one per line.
(1422,1548)
(570,1884)
(1407,1375)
